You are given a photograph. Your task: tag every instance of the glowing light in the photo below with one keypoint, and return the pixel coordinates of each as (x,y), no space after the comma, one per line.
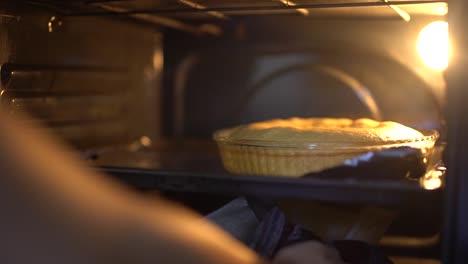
(433,45)
(443,9)
(145,141)
(432,184)
(432,180)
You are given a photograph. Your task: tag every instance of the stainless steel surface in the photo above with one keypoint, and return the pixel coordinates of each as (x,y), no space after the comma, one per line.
(359,89)
(165,21)
(403,14)
(196,5)
(206,16)
(181,80)
(86,79)
(302,11)
(151,7)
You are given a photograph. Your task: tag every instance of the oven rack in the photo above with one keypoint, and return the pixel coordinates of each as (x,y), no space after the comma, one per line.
(204,17)
(196,167)
(383,193)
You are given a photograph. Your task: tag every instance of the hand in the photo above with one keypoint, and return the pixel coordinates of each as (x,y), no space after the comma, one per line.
(311,252)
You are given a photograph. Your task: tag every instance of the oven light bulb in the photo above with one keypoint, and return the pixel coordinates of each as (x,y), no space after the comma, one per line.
(433,45)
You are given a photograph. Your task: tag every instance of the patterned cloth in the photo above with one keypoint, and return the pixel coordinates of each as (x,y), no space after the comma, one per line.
(265,229)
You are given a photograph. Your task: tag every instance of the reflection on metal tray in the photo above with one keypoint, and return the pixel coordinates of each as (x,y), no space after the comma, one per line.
(189,156)
(195,166)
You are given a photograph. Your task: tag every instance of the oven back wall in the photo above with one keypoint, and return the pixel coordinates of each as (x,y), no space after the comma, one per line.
(282,66)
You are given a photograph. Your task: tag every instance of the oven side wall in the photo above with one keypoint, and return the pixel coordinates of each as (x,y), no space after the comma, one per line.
(94,81)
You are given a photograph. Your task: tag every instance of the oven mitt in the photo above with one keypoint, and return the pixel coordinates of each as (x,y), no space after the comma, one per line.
(269,233)
(274,233)
(236,218)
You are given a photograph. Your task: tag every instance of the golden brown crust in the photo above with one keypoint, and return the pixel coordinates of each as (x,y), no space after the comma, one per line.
(324,130)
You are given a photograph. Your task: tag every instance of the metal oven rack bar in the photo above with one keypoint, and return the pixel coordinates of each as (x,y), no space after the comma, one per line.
(195,166)
(387,193)
(220,8)
(200,17)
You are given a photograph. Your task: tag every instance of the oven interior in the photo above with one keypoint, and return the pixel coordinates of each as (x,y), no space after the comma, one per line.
(139,87)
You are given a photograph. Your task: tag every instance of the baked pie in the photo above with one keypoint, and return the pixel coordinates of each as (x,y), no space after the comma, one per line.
(297,146)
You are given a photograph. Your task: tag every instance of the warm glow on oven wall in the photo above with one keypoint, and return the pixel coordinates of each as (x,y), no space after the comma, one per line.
(434,46)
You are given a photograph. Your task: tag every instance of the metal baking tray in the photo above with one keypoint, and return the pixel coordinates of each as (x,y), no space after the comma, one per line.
(195,166)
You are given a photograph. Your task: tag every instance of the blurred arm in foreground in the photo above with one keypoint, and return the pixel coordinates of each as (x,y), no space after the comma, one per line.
(56,210)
